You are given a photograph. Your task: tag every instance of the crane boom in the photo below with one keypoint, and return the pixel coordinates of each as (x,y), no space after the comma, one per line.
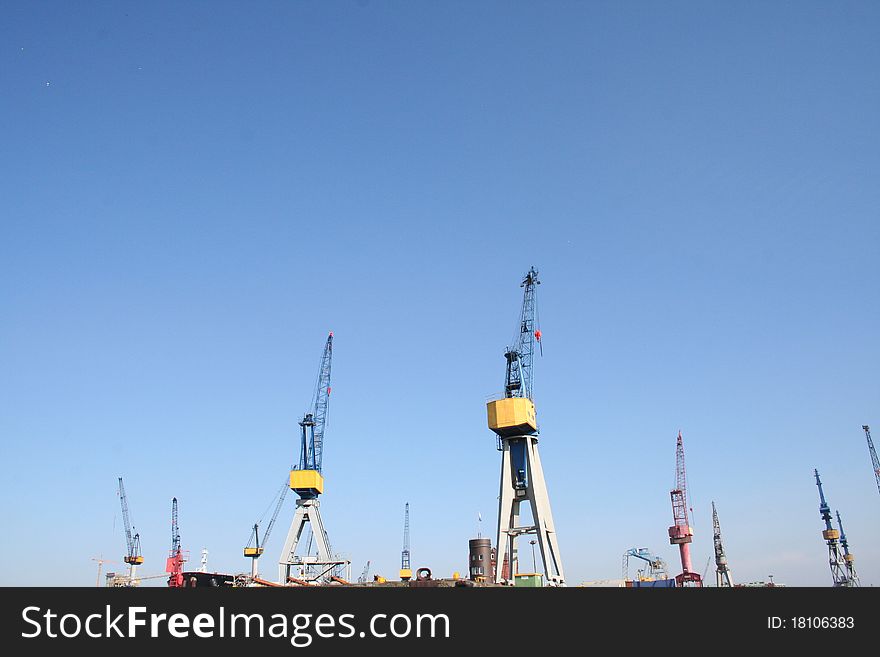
(875,462)
(133,557)
(314,422)
(518,378)
(284,488)
(124,502)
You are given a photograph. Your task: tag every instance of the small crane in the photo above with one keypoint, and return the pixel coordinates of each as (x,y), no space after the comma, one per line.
(656,568)
(365,574)
(405,569)
(133,558)
(849,558)
(174,564)
(254,548)
(722,570)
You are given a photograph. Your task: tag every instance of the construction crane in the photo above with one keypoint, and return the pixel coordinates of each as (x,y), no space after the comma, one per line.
(513,419)
(831,536)
(133,558)
(365,574)
(254,548)
(681,533)
(405,569)
(722,570)
(655,569)
(176,559)
(307,481)
(849,559)
(874,460)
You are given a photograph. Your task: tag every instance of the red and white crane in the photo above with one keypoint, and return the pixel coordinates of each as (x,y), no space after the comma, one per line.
(681,533)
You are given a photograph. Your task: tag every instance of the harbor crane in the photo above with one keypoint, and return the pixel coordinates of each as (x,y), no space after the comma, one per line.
(654,570)
(307,481)
(405,569)
(849,559)
(681,533)
(722,570)
(835,558)
(513,420)
(254,549)
(875,462)
(133,557)
(176,558)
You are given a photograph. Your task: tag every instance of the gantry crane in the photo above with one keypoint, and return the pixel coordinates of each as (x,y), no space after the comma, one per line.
(722,570)
(875,462)
(176,559)
(514,422)
(835,559)
(133,558)
(307,481)
(849,559)
(681,533)
(655,570)
(254,548)
(405,569)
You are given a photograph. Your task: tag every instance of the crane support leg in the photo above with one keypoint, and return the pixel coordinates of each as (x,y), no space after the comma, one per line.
(307,511)
(522,480)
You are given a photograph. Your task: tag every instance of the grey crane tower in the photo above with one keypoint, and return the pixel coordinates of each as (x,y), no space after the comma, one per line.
(722,570)
(307,481)
(849,558)
(514,421)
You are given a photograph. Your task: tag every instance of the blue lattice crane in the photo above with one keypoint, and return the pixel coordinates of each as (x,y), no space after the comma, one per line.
(831,536)
(307,481)
(133,558)
(513,419)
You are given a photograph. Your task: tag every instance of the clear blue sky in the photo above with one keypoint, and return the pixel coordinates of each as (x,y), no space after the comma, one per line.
(193,194)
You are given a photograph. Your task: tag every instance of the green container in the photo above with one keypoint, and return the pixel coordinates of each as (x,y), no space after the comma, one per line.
(528,580)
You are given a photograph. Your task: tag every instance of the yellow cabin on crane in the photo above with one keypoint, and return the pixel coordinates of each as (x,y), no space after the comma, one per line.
(512,416)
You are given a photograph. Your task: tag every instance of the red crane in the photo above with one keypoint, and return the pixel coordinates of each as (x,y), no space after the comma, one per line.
(681,533)
(174,564)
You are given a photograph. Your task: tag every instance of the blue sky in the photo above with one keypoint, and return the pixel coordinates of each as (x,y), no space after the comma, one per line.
(194,194)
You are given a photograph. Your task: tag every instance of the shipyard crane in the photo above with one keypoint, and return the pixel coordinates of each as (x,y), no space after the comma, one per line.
(681,533)
(307,481)
(405,569)
(254,548)
(176,559)
(513,420)
(874,460)
(722,570)
(656,568)
(365,574)
(133,558)
(849,558)
(831,536)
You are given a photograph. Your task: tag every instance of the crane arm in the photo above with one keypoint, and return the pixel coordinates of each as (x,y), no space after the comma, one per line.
(285,487)
(130,543)
(518,379)
(314,422)
(322,402)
